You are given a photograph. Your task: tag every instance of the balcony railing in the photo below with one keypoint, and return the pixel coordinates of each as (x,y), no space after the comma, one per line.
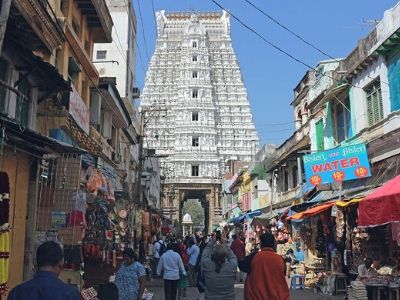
(320,86)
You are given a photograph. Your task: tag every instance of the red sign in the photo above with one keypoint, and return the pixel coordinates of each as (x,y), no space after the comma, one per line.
(315,180)
(338,176)
(361,172)
(78,110)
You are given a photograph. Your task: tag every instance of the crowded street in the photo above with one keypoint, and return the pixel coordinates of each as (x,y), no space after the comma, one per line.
(156,287)
(199,150)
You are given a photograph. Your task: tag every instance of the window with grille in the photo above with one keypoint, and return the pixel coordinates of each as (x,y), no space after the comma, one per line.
(101,54)
(341,120)
(194,58)
(195,116)
(374,102)
(195,141)
(195,170)
(195,93)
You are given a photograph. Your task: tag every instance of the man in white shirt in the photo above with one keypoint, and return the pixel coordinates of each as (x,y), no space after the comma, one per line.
(171,265)
(193,251)
(157,254)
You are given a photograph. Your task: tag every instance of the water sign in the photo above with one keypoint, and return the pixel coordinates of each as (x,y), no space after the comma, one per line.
(337,165)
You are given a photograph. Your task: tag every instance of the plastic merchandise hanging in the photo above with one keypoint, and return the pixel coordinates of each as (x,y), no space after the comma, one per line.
(4,231)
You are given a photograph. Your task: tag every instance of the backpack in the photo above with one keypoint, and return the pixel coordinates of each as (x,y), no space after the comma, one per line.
(162,249)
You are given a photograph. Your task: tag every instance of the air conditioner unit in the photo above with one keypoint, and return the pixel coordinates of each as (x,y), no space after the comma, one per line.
(135,92)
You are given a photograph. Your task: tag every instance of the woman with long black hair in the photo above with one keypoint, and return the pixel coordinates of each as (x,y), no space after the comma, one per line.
(219,267)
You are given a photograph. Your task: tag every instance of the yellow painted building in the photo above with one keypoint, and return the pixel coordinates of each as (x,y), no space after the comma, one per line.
(83,23)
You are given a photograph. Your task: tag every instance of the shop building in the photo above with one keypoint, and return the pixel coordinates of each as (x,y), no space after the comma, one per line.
(27,81)
(341,211)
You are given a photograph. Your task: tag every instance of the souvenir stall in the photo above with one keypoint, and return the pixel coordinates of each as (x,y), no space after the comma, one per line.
(155,226)
(315,230)
(61,210)
(146,230)
(377,237)
(106,230)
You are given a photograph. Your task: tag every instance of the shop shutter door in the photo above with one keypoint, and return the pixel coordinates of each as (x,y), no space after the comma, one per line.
(394,82)
(319,128)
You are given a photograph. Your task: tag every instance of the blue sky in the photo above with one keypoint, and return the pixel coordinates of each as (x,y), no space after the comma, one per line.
(270,76)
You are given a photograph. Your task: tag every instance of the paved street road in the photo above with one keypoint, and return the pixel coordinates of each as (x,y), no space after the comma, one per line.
(156,287)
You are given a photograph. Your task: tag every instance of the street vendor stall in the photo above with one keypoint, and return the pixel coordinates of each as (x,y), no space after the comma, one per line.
(378,225)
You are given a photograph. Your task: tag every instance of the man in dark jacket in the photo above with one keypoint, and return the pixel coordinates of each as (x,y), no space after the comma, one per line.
(45,285)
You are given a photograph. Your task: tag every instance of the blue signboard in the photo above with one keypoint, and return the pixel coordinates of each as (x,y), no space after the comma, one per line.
(337,165)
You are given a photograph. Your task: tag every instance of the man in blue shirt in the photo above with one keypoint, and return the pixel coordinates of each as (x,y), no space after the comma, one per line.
(193,251)
(45,285)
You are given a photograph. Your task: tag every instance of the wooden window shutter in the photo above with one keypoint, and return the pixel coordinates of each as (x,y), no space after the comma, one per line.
(95,108)
(107,125)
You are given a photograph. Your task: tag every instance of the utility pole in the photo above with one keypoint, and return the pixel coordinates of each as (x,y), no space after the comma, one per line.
(141,141)
(5,12)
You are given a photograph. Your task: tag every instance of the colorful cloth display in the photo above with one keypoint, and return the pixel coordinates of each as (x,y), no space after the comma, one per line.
(4,231)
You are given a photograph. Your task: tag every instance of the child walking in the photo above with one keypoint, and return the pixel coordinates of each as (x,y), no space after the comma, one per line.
(183,285)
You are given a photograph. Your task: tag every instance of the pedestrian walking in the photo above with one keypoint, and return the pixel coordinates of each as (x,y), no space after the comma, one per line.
(200,278)
(183,285)
(219,266)
(238,249)
(171,266)
(45,284)
(159,247)
(266,279)
(193,251)
(131,277)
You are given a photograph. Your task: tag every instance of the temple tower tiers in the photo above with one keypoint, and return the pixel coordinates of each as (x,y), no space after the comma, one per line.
(196,111)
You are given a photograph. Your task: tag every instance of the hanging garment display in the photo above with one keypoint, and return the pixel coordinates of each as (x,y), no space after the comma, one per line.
(320,240)
(340,224)
(396,232)
(4,231)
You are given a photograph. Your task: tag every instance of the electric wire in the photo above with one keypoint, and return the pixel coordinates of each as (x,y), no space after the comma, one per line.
(154,15)
(279,49)
(297,35)
(144,35)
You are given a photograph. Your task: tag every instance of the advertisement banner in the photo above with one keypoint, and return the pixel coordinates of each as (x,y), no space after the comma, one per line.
(337,165)
(78,110)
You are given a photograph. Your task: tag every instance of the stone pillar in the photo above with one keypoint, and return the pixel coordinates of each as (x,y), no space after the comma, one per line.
(211,216)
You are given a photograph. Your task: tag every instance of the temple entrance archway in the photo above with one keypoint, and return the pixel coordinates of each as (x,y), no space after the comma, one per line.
(208,195)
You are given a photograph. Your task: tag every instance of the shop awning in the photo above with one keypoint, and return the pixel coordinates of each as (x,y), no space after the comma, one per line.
(252,214)
(331,94)
(322,196)
(382,206)
(275,213)
(239,219)
(355,198)
(343,203)
(311,212)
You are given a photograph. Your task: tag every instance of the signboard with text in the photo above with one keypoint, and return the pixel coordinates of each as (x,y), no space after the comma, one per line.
(337,165)
(78,110)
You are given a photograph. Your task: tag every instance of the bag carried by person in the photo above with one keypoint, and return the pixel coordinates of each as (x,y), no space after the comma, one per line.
(162,249)
(245,263)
